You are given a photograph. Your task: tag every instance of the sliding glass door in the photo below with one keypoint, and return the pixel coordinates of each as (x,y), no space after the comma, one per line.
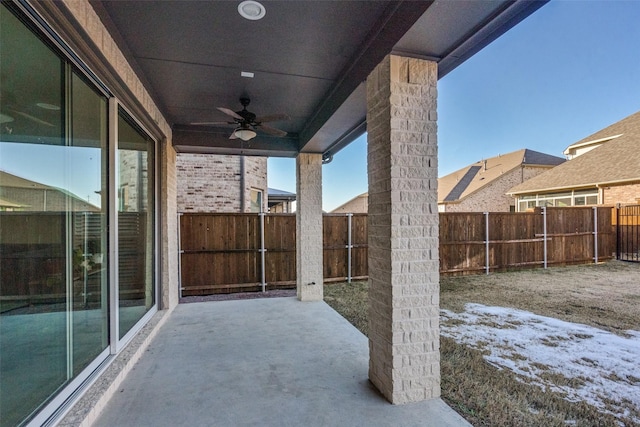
(77,223)
(53,240)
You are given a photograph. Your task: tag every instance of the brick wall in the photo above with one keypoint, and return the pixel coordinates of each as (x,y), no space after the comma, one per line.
(359,204)
(625,194)
(493,197)
(211,183)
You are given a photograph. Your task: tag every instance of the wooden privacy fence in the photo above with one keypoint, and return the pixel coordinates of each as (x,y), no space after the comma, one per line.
(222,253)
(344,247)
(477,242)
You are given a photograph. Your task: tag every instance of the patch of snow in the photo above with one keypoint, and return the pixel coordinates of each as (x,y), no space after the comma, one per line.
(605,366)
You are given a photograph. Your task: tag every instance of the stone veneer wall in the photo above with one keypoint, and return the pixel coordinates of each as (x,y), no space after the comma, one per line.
(404,340)
(168,223)
(211,183)
(309,266)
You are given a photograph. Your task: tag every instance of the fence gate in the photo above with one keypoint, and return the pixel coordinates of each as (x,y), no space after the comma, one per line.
(628,231)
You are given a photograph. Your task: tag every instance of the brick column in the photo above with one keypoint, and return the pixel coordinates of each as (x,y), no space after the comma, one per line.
(404,345)
(309,227)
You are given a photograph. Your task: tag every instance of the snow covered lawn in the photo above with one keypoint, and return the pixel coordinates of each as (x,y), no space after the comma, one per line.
(580,362)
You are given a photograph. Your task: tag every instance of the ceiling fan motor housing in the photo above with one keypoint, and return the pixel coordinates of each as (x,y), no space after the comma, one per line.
(244,113)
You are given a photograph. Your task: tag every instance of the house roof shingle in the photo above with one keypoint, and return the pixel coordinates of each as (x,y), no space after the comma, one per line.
(616,161)
(468,180)
(10,180)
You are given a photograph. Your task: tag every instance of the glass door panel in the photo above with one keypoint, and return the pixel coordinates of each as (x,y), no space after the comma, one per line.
(89,223)
(135,185)
(53,318)
(33,235)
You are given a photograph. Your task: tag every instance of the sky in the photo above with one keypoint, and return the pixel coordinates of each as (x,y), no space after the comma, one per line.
(565,72)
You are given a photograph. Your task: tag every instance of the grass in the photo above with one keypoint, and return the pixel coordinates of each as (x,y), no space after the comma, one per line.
(604,296)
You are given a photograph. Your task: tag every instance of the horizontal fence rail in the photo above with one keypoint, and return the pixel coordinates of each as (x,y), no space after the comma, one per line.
(484,242)
(221,253)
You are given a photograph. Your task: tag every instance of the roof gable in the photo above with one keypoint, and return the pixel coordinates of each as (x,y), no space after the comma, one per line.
(629,126)
(616,161)
(466,181)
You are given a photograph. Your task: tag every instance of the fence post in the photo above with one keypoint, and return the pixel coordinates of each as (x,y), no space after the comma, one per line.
(180,252)
(486,242)
(349,246)
(618,234)
(263,283)
(544,233)
(595,233)
(85,250)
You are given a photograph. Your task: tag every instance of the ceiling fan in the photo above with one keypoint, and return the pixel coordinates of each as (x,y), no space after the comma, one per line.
(247,123)
(11,109)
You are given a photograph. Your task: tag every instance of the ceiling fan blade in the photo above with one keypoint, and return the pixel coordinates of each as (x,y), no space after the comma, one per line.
(233,135)
(211,123)
(272,131)
(32,118)
(231,113)
(273,118)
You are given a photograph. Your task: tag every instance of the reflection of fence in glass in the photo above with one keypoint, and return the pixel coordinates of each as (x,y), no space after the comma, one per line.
(34,257)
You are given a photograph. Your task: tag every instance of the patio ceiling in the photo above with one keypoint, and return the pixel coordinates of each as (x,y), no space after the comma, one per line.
(309,60)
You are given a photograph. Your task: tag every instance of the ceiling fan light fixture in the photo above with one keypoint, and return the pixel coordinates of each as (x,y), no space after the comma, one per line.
(244,134)
(251,10)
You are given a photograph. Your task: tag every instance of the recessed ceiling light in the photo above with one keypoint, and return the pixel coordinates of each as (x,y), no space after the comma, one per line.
(47,106)
(251,10)
(246,74)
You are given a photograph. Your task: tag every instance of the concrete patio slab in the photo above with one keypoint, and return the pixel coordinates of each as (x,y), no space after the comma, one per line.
(262,362)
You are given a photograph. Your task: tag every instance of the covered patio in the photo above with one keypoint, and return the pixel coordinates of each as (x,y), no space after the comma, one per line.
(269,361)
(166,77)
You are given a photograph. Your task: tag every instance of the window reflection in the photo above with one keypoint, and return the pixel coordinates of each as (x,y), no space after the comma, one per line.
(135,224)
(53,311)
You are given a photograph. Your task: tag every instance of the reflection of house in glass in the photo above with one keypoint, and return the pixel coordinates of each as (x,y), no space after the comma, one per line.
(20,194)
(133,179)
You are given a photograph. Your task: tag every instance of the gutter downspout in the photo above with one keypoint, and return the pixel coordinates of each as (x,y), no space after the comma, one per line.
(242,183)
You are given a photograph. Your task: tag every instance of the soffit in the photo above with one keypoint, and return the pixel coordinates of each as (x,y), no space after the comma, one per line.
(309,60)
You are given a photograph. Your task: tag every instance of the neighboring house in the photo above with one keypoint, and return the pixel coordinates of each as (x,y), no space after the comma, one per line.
(280,201)
(221,183)
(579,148)
(20,194)
(605,175)
(359,204)
(482,186)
